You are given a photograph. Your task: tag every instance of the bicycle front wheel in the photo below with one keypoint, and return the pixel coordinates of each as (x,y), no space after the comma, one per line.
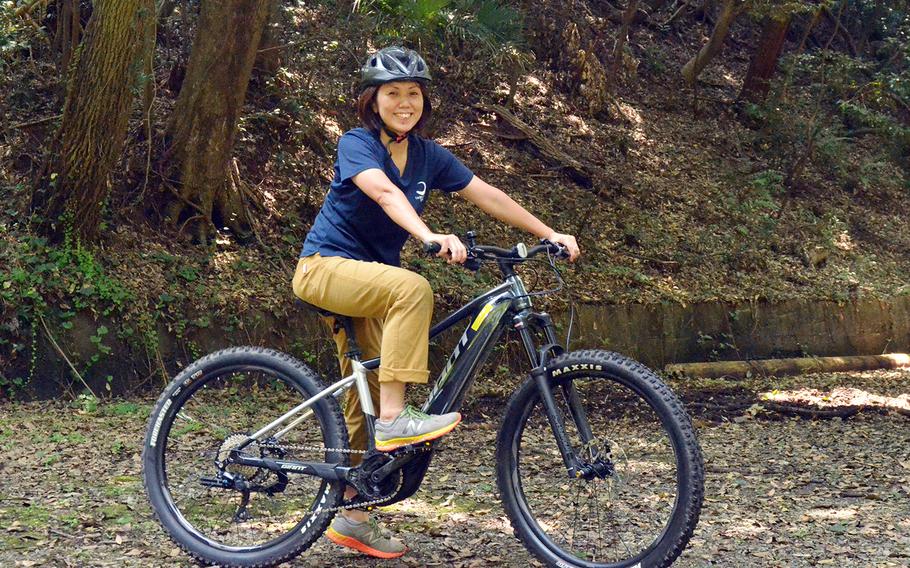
(637,498)
(260,517)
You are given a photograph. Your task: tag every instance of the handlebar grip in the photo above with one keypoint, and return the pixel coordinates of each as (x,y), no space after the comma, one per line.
(560,250)
(431,247)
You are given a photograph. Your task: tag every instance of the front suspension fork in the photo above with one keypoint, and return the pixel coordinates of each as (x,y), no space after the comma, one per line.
(539,359)
(557,425)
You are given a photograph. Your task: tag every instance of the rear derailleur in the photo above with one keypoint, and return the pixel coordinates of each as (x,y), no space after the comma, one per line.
(246,479)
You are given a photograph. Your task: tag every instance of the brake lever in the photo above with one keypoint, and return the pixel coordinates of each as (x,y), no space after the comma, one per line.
(562,251)
(472,263)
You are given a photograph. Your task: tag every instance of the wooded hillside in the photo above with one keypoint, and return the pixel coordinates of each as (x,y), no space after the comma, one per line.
(161,162)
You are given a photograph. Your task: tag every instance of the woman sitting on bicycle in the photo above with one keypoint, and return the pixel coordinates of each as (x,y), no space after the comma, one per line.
(350,263)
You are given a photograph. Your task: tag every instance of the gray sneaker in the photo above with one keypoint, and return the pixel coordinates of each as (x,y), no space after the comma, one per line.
(366,537)
(413,427)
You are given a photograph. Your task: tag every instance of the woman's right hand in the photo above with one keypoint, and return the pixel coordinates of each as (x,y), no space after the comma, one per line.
(451,247)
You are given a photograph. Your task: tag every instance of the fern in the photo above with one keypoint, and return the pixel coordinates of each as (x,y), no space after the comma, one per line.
(487,26)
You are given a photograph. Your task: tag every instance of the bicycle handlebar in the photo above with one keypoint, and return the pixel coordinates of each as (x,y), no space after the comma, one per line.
(519,253)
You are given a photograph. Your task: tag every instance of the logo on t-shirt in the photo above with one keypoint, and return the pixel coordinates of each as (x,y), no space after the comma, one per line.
(421,191)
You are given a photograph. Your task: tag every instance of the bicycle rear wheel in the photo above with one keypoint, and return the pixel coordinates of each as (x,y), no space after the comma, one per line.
(209,410)
(638,502)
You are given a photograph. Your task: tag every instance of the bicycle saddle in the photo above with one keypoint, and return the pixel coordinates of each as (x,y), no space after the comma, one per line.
(320,311)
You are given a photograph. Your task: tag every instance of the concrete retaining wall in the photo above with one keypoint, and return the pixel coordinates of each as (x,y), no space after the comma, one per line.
(654,334)
(672,333)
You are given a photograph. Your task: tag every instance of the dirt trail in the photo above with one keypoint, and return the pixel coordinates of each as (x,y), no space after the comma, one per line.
(780,491)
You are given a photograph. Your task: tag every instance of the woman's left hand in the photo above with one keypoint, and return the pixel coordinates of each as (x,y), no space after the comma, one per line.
(567,241)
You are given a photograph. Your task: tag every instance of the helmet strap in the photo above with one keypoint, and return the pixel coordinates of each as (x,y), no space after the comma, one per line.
(395,138)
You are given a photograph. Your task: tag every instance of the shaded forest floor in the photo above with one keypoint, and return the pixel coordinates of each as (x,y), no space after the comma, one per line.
(780,491)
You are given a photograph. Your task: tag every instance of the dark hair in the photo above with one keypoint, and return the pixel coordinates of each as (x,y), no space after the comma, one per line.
(370,118)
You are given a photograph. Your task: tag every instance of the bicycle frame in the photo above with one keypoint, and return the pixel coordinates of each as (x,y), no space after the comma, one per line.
(506,305)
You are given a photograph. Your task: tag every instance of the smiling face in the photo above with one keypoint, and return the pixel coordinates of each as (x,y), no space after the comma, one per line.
(399,105)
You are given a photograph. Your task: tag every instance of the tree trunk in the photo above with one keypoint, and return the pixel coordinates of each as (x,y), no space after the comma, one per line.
(203,125)
(268,56)
(71,193)
(764,60)
(68,33)
(619,48)
(694,66)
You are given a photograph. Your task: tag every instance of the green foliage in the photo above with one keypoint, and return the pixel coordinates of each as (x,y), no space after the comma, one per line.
(42,284)
(871,94)
(123,408)
(718,346)
(86,403)
(16,36)
(654,60)
(753,210)
(766,186)
(829,98)
(487,28)
(188,273)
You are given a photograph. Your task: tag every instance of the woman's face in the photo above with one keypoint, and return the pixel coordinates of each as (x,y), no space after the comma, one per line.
(399,105)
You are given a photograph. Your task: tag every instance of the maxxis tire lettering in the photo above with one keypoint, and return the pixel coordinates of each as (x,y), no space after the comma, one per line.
(575,367)
(606,364)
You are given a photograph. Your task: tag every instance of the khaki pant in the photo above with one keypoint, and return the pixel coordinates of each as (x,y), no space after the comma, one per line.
(392,308)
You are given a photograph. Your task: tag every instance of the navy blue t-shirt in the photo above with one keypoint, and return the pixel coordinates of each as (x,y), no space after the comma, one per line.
(352,225)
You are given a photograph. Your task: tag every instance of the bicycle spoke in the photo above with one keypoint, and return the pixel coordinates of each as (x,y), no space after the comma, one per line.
(612,518)
(194,423)
(199,439)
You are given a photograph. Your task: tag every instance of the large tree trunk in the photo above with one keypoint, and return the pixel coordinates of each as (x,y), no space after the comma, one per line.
(268,55)
(72,191)
(694,66)
(202,128)
(764,60)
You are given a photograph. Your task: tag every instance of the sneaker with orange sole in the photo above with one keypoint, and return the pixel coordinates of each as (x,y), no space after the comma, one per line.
(366,537)
(413,427)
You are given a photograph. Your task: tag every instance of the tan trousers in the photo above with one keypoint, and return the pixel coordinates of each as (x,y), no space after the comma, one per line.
(392,308)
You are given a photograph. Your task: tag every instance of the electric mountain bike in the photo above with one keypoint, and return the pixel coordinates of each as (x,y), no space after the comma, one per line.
(246,455)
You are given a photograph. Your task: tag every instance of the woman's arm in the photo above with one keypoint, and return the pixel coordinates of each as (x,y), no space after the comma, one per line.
(380,189)
(496,203)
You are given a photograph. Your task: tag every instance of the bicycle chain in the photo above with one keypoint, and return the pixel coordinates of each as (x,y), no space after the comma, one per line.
(321,510)
(312,449)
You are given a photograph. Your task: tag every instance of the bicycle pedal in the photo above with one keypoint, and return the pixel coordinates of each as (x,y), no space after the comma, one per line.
(412,448)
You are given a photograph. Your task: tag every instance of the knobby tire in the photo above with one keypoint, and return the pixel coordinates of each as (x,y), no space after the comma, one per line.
(229,393)
(643,514)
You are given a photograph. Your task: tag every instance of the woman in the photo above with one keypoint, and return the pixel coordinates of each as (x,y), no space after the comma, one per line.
(350,263)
